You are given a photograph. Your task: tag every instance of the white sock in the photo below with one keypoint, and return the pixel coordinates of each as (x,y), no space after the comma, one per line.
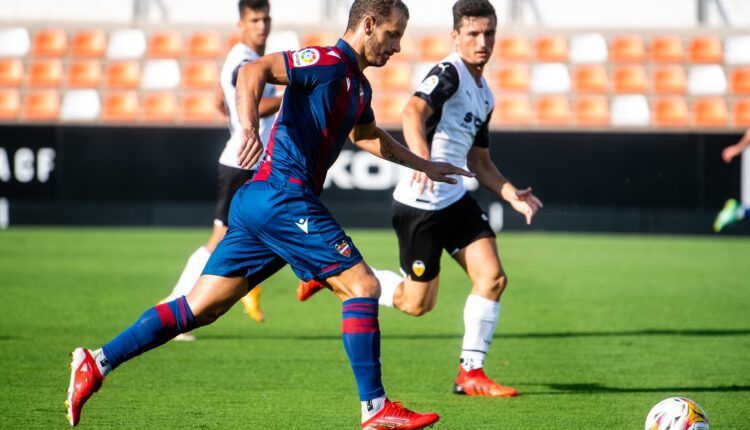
(370,408)
(190,273)
(101,361)
(389,281)
(480,318)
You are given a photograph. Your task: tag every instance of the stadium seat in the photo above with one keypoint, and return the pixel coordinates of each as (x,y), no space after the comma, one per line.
(126,44)
(629,79)
(165,44)
(200,74)
(51,42)
(592,110)
(160,75)
(160,107)
(628,49)
(10,104)
(408,50)
(204,44)
(41,105)
(630,111)
(552,110)
(123,74)
(710,112)
(389,110)
(395,77)
(45,73)
(552,48)
(231,40)
(706,49)
(588,48)
(120,107)
(707,80)
(318,39)
(667,49)
(88,43)
(742,113)
(737,50)
(741,80)
(14,42)
(512,77)
(670,112)
(590,79)
(512,110)
(11,72)
(80,105)
(84,74)
(434,47)
(284,40)
(669,79)
(548,78)
(199,107)
(513,47)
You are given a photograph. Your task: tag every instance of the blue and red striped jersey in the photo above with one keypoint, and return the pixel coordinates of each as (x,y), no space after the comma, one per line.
(326,97)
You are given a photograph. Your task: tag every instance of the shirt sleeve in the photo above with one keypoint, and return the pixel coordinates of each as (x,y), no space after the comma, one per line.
(236,71)
(439,85)
(482,139)
(301,66)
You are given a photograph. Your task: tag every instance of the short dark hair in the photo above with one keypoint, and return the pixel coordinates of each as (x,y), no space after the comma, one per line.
(473,8)
(252,4)
(380,10)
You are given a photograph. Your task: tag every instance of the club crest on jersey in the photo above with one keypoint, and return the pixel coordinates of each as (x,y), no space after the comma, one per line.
(428,85)
(418,267)
(343,248)
(305,57)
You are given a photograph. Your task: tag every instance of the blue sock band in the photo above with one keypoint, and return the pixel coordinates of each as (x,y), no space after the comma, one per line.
(361,334)
(155,327)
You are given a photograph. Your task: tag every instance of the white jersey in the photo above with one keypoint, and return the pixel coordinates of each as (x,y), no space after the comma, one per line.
(240,55)
(461,114)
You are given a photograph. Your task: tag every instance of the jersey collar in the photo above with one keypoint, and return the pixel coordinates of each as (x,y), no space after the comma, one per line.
(346,49)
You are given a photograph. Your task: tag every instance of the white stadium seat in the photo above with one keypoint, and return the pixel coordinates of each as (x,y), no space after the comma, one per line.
(737,50)
(160,75)
(550,78)
(588,48)
(80,105)
(706,80)
(126,44)
(14,42)
(630,111)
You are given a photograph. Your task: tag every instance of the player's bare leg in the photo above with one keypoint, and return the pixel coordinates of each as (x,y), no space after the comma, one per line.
(416,298)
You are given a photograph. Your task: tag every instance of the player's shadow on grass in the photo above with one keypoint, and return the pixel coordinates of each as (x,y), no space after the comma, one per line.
(594,388)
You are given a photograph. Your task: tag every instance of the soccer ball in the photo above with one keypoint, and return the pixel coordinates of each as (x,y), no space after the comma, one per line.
(676,413)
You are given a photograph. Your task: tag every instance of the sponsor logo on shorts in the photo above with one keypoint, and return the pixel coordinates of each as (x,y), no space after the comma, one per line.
(305,57)
(343,248)
(418,267)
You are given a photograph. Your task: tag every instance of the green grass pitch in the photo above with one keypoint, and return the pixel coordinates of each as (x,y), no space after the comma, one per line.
(595,330)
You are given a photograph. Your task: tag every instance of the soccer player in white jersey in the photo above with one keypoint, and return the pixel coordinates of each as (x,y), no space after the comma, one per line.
(254,25)
(733,210)
(447,120)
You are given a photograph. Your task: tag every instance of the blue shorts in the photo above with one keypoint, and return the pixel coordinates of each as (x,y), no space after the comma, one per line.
(273,224)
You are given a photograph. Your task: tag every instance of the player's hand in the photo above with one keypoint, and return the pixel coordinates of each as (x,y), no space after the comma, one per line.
(251,148)
(439,172)
(730,152)
(526,203)
(422,182)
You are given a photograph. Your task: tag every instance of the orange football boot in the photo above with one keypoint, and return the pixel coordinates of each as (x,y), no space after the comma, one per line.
(476,383)
(305,290)
(85,380)
(395,416)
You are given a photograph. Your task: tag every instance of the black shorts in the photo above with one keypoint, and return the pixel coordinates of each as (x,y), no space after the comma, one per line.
(422,234)
(230,180)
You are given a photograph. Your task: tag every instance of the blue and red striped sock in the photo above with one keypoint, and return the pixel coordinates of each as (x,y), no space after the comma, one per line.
(155,327)
(361,334)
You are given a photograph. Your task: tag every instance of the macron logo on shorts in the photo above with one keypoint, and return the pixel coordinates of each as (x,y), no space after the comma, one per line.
(302,224)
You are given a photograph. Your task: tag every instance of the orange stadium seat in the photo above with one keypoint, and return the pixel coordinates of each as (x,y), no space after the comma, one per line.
(395,77)
(45,73)
(741,80)
(552,110)
(551,48)
(11,72)
(123,74)
(165,44)
(434,47)
(160,107)
(669,79)
(120,107)
(199,107)
(51,42)
(590,79)
(513,48)
(512,77)
(203,74)
(706,49)
(627,49)
(513,110)
(742,113)
(318,39)
(592,110)
(408,50)
(630,79)
(710,112)
(41,105)
(667,49)
(88,43)
(10,104)
(389,110)
(232,40)
(84,74)
(670,111)
(204,44)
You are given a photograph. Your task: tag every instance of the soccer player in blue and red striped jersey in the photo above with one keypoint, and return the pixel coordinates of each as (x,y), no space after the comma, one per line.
(278,218)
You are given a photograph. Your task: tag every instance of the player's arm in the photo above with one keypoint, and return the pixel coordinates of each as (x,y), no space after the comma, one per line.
(415,133)
(378,142)
(251,80)
(269,106)
(734,150)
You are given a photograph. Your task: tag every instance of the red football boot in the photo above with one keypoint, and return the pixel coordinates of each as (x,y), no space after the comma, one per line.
(476,383)
(85,380)
(305,290)
(395,416)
